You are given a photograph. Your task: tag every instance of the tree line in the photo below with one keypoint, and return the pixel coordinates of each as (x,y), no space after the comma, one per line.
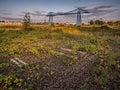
(100,22)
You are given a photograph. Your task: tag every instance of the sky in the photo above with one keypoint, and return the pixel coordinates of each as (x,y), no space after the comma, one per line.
(99,9)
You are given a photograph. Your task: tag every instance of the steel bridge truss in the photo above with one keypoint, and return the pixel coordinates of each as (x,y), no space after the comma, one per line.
(77,11)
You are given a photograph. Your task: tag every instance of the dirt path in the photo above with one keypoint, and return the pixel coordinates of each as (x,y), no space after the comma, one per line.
(75,77)
(55,75)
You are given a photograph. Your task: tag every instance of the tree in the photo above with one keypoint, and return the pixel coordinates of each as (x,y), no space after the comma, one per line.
(91,22)
(99,22)
(27,21)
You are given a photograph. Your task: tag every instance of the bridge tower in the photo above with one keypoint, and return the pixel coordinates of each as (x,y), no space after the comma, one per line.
(79,20)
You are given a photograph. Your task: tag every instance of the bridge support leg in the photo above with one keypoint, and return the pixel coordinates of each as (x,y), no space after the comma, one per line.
(50,20)
(79,20)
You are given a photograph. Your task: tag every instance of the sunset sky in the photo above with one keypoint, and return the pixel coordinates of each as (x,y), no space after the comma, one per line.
(13,9)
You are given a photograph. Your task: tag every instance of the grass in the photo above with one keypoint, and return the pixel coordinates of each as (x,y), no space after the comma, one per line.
(42,42)
(10,81)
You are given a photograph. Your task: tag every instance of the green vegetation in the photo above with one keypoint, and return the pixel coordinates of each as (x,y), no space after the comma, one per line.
(44,43)
(8,82)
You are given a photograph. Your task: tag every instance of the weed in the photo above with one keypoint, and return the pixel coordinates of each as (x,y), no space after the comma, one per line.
(81,88)
(4,65)
(8,82)
(13,50)
(90,48)
(45,67)
(53,53)
(69,62)
(37,67)
(34,51)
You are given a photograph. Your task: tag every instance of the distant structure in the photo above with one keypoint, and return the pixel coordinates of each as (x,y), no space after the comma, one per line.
(50,15)
(77,11)
(27,18)
(4,21)
(27,21)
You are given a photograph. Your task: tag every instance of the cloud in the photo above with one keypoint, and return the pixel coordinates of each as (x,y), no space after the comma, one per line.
(84,7)
(11,19)
(38,13)
(100,11)
(5,12)
(102,7)
(34,13)
(105,12)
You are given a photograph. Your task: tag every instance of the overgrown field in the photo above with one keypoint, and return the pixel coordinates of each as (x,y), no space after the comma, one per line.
(60,58)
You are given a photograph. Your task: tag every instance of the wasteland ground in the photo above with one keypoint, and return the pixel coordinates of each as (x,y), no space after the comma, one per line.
(60,58)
